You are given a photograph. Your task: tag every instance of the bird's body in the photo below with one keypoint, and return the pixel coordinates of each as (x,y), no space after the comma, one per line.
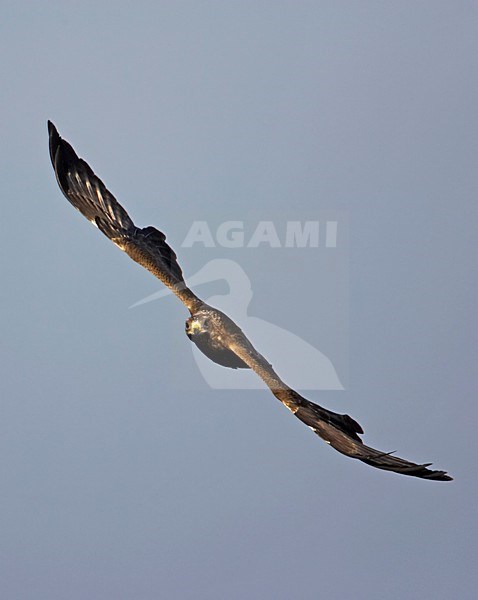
(205,328)
(214,333)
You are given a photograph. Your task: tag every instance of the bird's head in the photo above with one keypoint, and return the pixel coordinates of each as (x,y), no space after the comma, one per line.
(196,325)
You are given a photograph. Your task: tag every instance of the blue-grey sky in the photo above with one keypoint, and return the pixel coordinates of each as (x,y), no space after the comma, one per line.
(123,474)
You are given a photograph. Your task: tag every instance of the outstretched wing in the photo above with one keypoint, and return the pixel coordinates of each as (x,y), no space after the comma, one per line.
(89,195)
(340,431)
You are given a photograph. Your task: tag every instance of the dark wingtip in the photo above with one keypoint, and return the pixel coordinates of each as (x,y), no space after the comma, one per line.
(54,140)
(441,476)
(423,472)
(61,152)
(52,130)
(62,156)
(433,475)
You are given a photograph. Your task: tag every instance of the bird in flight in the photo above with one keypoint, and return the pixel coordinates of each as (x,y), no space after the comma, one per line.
(213,332)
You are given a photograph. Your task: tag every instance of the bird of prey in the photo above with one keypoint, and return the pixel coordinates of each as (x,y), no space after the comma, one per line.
(214,333)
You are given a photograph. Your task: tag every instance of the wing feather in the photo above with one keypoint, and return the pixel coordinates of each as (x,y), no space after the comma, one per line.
(340,431)
(88,194)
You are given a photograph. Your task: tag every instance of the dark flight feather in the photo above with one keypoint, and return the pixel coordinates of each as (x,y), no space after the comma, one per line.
(88,194)
(215,334)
